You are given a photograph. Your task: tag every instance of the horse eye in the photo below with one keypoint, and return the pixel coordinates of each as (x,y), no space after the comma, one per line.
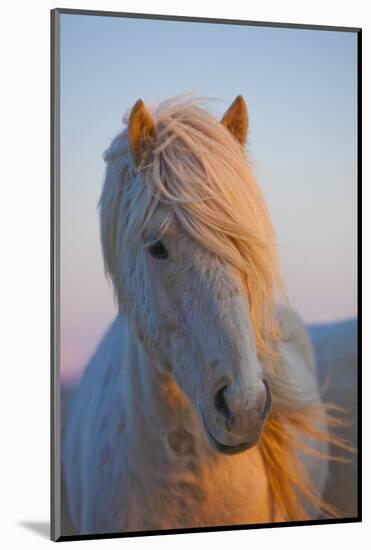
(157,250)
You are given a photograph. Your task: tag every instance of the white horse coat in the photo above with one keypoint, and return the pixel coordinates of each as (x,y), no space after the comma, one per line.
(163,431)
(136,456)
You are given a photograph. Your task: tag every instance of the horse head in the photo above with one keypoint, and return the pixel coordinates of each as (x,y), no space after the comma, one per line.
(188,243)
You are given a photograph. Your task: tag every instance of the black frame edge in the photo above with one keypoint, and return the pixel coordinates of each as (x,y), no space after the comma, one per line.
(196,19)
(225,528)
(55,479)
(359,269)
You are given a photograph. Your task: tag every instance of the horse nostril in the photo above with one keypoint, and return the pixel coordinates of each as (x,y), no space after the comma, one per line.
(222,406)
(268,401)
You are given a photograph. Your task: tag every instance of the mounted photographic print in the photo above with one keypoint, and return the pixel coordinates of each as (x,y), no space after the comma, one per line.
(205,188)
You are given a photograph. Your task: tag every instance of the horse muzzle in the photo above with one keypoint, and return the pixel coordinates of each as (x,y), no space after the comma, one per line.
(238,429)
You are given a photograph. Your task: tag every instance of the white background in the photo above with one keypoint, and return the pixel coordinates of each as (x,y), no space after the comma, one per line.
(24,286)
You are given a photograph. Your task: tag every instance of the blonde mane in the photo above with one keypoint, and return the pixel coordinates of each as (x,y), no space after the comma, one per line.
(203,173)
(200,170)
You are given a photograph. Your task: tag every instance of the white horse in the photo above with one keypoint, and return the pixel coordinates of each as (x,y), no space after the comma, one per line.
(201,406)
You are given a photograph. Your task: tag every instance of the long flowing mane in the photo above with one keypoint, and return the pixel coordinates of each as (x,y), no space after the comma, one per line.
(200,170)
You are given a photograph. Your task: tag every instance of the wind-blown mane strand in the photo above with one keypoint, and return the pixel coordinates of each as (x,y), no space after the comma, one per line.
(281,443)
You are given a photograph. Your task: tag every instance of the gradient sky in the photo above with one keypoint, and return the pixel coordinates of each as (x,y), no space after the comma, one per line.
(300,86)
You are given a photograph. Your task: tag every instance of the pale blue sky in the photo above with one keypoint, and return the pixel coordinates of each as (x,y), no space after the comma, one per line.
(300,86)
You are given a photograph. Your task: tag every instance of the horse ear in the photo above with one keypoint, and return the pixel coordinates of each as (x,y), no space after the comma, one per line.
(142,133)
(236,119)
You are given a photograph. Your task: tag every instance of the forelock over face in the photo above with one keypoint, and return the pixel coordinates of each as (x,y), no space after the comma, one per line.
(192,189)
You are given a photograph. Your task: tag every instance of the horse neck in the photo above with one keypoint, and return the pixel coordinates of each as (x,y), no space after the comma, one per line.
(166,435)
